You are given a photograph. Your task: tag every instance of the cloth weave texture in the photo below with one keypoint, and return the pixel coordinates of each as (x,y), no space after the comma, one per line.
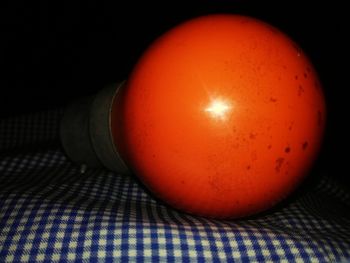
(53,211)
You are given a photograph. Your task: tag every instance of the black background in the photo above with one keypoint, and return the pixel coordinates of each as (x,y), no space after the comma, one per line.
(52,53)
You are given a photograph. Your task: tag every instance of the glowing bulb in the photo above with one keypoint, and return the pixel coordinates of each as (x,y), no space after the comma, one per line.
(218,109)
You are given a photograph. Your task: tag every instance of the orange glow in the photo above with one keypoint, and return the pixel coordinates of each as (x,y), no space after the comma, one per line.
(222,116)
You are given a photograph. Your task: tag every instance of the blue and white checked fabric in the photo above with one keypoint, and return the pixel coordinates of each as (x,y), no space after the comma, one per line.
(53,211)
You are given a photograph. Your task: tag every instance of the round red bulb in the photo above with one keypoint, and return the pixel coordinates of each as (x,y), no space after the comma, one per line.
(222,116)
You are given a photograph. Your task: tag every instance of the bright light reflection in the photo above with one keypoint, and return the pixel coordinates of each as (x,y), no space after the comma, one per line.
(219,109)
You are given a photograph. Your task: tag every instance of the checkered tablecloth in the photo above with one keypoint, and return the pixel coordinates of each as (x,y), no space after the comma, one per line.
(52,211)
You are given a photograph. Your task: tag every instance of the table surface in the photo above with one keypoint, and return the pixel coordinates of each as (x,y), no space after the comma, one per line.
(53,211)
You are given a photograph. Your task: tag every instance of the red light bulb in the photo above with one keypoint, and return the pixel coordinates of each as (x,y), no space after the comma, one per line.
(222,116)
